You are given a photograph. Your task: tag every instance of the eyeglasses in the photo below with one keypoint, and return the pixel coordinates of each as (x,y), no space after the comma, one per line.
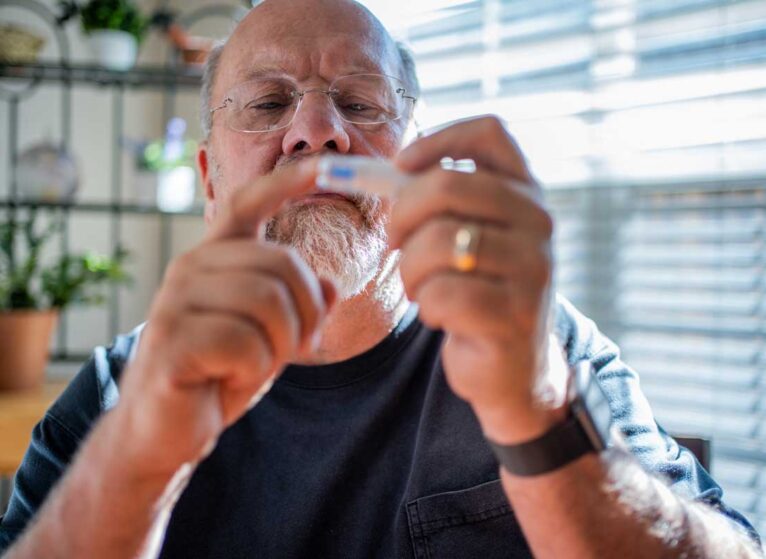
(268,104)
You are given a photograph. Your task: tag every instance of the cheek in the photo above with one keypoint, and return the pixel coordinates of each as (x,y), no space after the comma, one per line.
(243,158)
(381,143)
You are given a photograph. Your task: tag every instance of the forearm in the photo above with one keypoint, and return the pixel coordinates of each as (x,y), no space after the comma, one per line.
(610,507)
(102,507)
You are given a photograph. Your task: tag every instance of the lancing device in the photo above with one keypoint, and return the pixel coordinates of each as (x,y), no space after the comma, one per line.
(353,173)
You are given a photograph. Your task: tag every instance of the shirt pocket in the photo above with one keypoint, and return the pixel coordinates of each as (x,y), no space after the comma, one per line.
(475,522)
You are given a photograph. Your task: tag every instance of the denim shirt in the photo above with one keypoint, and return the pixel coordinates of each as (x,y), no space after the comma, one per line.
(370,457)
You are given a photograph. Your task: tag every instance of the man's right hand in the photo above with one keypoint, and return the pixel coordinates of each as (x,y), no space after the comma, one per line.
(228,316)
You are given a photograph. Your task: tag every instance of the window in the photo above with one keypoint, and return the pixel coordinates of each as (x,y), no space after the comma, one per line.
(646,122)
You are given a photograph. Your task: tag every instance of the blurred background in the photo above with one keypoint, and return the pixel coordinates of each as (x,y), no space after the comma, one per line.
(645,120)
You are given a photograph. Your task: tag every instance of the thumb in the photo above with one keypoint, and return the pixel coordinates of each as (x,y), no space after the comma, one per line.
(248,207)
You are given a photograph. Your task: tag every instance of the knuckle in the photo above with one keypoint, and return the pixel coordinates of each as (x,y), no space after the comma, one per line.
(178,268)
(494,125)
(159,329)
(181,270)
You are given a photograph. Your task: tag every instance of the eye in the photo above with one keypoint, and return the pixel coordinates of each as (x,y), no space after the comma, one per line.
(357,107)
(354,103)
(268,103)
(265,106)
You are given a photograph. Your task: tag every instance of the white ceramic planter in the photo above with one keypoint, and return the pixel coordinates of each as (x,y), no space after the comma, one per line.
(115,50)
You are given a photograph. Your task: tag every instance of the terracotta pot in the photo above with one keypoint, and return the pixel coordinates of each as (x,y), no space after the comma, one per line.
(24,341)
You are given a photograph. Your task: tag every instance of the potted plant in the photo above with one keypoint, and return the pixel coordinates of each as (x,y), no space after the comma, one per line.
(114,29)
(32,294)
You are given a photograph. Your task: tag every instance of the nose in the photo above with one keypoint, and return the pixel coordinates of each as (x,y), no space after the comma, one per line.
(316,127)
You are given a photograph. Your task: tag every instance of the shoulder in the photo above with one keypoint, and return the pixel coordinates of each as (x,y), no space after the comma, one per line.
(95,388)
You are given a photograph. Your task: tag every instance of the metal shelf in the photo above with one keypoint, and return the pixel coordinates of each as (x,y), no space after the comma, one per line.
(138,77)
(18,83)
(98,207)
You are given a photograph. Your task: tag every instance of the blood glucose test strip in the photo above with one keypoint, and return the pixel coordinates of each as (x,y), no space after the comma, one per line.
(350,174)
(353,173)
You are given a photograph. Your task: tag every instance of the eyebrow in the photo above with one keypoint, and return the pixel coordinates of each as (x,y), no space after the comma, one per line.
(272,71)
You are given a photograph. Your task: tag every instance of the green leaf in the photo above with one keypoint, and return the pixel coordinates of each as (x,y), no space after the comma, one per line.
(119,15)
(73,278)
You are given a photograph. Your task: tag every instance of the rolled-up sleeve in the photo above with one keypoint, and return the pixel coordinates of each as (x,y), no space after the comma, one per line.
(653,447)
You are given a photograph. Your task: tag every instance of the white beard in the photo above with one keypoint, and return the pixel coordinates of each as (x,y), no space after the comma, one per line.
(332,243)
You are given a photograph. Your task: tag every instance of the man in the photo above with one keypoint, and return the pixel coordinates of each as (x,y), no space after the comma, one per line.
(361,448)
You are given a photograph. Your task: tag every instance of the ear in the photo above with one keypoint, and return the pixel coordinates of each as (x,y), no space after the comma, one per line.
(203,166)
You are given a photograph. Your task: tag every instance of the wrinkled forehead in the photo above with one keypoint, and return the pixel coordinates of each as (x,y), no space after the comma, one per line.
(316,44)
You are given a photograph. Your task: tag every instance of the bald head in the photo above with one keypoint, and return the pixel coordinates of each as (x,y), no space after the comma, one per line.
(298,21)
(298,33)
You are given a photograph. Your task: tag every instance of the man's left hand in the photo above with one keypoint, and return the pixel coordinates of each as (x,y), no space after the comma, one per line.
(495,315)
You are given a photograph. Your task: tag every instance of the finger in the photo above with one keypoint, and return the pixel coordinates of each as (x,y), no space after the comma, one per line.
(476,197)
(477,306)
(249,206)
(281,262)
(256,297)
(214,346)
(500,253)
(485,140)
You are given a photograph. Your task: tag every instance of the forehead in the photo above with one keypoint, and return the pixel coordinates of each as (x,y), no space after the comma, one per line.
(327,64)
(313,43)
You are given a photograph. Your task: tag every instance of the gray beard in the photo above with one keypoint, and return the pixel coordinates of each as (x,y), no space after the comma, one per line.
(333,244)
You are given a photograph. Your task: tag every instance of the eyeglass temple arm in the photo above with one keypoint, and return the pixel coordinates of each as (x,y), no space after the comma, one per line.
(222,105)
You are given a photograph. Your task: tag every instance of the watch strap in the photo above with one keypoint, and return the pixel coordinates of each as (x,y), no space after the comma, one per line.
(557,447)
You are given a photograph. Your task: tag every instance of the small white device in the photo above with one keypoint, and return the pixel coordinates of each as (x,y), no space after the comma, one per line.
(353,173)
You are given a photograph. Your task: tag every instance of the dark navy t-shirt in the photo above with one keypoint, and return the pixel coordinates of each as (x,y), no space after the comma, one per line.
(370,457)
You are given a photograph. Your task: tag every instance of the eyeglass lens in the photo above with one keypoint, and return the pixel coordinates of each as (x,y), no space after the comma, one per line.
(270,103)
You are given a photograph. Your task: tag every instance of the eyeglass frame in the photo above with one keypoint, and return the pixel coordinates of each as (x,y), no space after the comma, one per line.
(300,94)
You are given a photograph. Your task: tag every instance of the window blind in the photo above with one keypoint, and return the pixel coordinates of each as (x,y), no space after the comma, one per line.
(646,122)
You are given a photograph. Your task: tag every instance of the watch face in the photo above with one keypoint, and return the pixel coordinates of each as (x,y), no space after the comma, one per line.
(596,416)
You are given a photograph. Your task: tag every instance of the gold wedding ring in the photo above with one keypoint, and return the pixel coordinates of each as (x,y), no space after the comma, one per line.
(465,254)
